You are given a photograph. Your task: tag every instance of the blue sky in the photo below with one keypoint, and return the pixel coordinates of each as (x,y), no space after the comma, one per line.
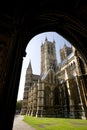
(33,54)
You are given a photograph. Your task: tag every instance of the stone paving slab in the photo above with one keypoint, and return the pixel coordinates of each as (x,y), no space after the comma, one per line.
(19,124)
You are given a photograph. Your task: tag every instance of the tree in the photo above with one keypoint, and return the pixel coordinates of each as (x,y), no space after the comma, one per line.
(18,106)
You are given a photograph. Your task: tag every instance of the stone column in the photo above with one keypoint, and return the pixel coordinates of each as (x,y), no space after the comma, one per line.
(81,102)
(51,96)
(82,88)
(33,113)
(71,103)
(40,99)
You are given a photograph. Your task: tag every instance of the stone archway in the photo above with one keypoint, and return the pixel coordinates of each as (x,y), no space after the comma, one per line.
(19,22)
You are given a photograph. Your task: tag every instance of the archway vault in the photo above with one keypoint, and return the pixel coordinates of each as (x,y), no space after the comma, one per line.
(19,22)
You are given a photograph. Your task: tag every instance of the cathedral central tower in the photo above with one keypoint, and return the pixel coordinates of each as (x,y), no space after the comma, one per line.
(48,56)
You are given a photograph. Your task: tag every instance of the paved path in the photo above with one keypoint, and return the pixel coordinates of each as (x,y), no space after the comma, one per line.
(21,125)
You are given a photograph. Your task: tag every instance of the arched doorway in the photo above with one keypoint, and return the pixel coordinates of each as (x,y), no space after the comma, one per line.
(56,96)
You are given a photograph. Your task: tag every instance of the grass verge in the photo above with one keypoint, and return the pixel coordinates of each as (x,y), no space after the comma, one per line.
(56,123)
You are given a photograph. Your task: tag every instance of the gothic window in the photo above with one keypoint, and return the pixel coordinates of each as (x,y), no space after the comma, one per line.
(56,96)
(47,93)
(72,65)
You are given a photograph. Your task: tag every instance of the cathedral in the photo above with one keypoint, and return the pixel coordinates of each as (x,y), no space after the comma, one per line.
(60,89)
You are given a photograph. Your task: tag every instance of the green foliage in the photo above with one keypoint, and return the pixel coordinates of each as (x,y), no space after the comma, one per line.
(56,123)
(19,105)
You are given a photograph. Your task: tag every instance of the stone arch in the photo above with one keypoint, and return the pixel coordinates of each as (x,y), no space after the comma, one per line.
(18,26)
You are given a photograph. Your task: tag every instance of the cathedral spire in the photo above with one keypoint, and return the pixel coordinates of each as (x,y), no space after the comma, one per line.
(29,69)
(53,41)
(46,38)
(29,66)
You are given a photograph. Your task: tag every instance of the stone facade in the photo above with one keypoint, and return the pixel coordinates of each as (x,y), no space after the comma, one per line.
(71,76)
(60,90)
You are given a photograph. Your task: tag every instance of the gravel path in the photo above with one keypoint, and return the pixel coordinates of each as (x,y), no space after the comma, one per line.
(19,124)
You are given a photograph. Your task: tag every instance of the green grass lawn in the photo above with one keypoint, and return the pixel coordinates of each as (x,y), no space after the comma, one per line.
(56,123)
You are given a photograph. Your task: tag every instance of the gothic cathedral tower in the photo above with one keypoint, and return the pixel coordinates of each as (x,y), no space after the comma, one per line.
(48,56)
